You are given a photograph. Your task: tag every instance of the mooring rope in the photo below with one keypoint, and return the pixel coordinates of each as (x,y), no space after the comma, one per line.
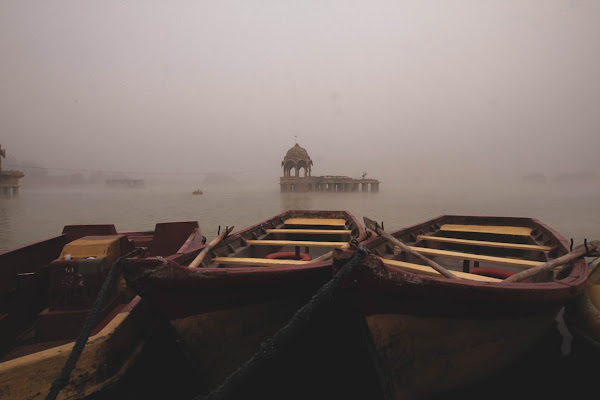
(270,348)
(90,322)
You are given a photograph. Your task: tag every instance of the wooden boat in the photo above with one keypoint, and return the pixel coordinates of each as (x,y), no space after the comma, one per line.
(249,285)
(582,314)
(433,333)
(197,191)
(46,292)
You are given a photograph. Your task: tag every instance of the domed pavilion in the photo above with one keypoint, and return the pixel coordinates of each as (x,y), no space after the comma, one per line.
(297,176)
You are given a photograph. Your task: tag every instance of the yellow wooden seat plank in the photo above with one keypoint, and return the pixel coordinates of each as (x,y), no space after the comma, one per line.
(255,262)
(425,270)
(498,229)
(306,243)
(315,221)
(510,262)
(312,231)
(516,246)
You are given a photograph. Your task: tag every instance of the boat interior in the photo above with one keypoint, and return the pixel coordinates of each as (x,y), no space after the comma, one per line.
(48,288)
(284,240)
(486,249)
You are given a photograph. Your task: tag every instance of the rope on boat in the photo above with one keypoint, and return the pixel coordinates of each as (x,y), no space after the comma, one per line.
(90,322)
(269,349)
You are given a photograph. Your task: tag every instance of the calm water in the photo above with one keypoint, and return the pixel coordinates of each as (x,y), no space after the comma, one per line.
(39,213)
(558,363)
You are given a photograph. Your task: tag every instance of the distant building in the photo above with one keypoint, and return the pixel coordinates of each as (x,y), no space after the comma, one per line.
(125,182)
(297,177)
(9,180)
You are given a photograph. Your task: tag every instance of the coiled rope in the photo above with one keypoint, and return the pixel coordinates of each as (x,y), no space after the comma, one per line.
(269,349)
(90,322)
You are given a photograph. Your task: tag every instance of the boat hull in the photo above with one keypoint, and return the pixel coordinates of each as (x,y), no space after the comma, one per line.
(426,355)
(223,314)
(582,315)
(433,334)
(106,357)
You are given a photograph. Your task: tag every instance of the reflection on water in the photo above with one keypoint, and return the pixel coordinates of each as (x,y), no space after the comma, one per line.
(39,213)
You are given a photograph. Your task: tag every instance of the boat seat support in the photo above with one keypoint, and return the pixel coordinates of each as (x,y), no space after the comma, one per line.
(296,243)
(510,262)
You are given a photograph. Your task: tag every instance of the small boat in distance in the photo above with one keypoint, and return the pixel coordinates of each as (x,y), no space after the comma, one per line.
(47,290)
(444,301)
(197,191)
(246,288)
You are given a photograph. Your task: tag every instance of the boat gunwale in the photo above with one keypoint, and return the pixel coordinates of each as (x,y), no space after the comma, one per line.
(574,281)
(237,235)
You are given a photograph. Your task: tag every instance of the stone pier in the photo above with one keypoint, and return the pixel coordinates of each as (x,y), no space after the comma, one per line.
(297,177)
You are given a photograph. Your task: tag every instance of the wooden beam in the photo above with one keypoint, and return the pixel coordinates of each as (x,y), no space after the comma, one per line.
(497,229)
(255,262)
(374,226)
(312,231)
(516,246)
(425,270)
(315,221)
(510,262)
(295,243)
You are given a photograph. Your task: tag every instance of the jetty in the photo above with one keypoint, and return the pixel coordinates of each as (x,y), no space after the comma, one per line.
(9,180)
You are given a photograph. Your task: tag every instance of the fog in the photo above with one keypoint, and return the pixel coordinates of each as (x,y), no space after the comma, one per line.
(408,91)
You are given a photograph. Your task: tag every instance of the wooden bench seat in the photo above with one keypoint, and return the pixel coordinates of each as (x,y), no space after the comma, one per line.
(515,246)
(425,270)
(255,262)
(316,221)
(306,243)
(312,231)
(497,229)
(510,262)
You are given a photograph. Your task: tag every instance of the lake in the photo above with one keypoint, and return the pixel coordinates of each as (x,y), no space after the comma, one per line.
(40,212)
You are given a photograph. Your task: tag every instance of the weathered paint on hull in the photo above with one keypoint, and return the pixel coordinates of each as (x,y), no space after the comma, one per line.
(583,314)
(221,341)
(105,358)
(423,356)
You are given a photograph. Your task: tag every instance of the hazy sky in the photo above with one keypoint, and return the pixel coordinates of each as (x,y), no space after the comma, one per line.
(387,87)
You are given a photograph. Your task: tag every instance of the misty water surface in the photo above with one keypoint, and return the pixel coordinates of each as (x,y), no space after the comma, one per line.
(41,212)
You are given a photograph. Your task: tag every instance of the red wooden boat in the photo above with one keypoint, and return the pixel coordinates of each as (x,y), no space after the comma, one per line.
(46,292)
(248,287)
(433,333)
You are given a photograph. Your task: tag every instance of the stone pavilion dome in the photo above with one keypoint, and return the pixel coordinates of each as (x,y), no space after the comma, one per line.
(296,158)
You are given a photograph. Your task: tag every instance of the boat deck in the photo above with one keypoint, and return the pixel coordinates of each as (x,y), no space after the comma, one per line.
(462,248)
(289,241)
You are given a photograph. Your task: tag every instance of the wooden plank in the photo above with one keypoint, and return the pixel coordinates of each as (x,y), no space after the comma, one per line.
(516,246)
(306,243)
(498,229)
(255,262)
(425,270)
(510,262)
(315,221)
(312,231)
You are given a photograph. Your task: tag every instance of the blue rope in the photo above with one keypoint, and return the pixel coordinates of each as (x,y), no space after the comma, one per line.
(90,322)
(269,349)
